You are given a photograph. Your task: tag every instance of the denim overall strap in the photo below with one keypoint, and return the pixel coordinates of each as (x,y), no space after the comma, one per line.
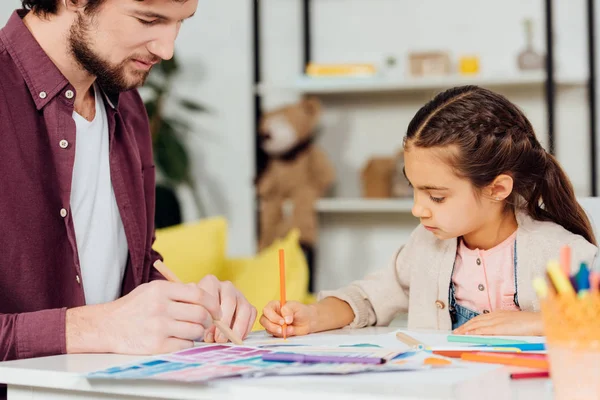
(516,297)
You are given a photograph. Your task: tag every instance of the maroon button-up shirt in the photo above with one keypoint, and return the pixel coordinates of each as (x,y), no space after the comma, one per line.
(40,275)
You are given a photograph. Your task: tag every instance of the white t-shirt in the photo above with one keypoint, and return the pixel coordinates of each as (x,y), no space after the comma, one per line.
(99,231)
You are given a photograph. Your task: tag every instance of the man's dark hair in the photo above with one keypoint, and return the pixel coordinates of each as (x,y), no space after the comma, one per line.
(45,7)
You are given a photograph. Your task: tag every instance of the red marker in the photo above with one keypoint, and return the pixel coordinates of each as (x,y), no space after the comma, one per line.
(529,375)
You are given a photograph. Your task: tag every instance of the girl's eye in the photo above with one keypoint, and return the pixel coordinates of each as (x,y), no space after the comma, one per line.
(145,22)
(437,199)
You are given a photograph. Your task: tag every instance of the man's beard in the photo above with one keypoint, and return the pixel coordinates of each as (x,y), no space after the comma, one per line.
(111,78)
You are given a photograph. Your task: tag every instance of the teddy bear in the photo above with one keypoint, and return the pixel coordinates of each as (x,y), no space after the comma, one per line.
(296,174)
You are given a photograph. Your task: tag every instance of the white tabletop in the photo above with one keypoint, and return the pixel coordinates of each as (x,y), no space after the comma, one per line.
(61,377)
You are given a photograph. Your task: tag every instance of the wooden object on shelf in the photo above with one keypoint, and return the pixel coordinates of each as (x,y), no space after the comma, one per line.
(377,176)
(432,63)
(340,70)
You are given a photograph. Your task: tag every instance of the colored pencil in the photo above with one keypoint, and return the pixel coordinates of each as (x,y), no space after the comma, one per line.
(282,287)
(459,353)
(539,361)
(521,347)
(492,341)
(583,280)
(171,277)
(560,280)
(565,260)
(541,288)
(529,375)
(410,341)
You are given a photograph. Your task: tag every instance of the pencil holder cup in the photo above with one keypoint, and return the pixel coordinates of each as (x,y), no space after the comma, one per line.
(572,329)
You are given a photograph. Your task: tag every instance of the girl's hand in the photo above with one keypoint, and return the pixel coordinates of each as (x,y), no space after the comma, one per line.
(508,323)
(299,318)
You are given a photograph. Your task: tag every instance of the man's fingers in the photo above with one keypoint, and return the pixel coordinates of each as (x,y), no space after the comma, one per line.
(186,312)
(185,330)
(228,307)
(251,322)
(172,345)
(192,294)
(212,285)
(209,334)
(243,314)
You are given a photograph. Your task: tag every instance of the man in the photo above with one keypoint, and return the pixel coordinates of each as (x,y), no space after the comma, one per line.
(77,187)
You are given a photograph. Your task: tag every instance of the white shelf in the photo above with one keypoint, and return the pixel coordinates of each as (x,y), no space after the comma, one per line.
(310,85)
(359,205)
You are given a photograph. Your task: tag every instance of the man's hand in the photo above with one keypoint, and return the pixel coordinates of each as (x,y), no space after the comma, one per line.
(509,323)
(157,317)
(237,312)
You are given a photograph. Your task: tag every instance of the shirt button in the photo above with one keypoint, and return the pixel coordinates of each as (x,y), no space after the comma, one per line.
(440,304)
(481,287)
(77,279)
(43,95)
(478,261)
(63,212)
(63,144)
(69,94)
(486,311)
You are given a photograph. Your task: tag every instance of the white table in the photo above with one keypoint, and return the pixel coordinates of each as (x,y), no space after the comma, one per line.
(60,377)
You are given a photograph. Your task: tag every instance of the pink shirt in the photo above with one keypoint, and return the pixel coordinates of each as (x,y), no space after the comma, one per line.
(484,280)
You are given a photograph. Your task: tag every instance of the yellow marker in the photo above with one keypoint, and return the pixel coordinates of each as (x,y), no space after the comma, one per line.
(563,286)
(539,284)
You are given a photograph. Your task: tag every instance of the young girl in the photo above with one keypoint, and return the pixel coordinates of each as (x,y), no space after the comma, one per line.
(494,208)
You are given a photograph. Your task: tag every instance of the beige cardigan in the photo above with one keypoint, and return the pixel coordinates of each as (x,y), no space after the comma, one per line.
(418,278)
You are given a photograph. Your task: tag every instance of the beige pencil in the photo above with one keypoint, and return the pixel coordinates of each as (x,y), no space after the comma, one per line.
(171,277)
(410,341)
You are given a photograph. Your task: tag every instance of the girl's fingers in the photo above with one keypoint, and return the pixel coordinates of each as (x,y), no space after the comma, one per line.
(272,312)
(273,329)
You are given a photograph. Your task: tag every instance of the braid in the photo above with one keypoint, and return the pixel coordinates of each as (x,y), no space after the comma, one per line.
(494,137)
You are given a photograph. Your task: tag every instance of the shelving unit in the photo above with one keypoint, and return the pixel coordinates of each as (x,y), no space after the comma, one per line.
(325,86)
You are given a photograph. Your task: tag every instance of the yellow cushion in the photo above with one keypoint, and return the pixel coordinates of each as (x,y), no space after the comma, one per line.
(258,278)
(194,250)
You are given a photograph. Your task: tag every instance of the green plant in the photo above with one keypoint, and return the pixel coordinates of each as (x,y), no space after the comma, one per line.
(170,154)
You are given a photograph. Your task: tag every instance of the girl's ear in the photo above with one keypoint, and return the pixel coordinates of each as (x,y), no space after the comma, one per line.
(500,188)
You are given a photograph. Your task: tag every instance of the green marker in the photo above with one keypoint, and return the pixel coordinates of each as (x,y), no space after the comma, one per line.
(492,341)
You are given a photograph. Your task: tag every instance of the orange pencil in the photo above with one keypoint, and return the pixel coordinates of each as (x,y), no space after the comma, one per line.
(539,361)
(171,277)
(282,287)
(565,260)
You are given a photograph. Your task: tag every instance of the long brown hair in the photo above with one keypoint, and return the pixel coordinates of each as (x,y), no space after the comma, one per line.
(494,137)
